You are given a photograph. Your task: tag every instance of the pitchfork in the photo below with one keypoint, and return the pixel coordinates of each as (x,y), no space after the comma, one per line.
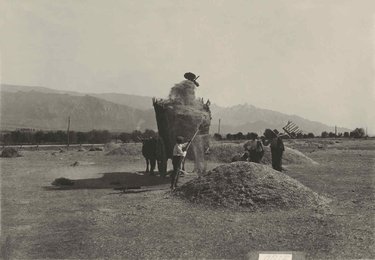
(187,148)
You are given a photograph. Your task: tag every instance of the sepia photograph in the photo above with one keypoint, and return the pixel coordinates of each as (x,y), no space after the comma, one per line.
(176,129)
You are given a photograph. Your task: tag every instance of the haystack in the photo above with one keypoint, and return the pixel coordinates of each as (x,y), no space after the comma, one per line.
(127,149)
(226,152)
(92,149)
(181,115)
(111,146)
(249,185)
(10,152)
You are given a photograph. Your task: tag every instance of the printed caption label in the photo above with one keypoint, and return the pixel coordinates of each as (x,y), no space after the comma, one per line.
(275,256)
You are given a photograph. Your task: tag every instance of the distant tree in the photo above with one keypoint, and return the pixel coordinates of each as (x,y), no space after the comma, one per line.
(136,135)
(82,137)
(125,137)
(361,132)
(357,133)
(339,134)
(8,138)
(324,134)
(346,134)
(218,137)
(293,135)
(299,135)
(331,134)
(16,137)
(73,137)
(39,137)
(49,137)
(105,137)
(239,136)
(229,137)
(149,133)
(61,137)
(310,135)
(99,137)
(28,138)
(2,135)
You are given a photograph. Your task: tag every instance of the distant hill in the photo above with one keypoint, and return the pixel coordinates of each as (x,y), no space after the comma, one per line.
(16,88)
(247,118)
(40,107)
(139,102)
(49,111)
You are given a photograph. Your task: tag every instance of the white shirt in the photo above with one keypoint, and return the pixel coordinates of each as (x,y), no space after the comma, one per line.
(178,149)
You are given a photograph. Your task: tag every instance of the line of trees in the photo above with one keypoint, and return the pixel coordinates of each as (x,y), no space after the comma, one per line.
(103,136)
(241,136)
(356,133)
(60,137)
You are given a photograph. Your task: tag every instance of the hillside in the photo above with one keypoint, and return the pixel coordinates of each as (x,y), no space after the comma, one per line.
(41,107)
(134,101)
(245,118)
(138,102)
(50,111)
(16,88)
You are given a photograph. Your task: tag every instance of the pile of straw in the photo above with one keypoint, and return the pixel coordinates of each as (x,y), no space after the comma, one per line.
(249,185)
(10,152)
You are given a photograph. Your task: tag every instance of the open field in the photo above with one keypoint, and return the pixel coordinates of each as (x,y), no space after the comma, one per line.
(95,221)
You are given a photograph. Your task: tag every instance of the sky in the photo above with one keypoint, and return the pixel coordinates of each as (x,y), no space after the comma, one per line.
(312,58)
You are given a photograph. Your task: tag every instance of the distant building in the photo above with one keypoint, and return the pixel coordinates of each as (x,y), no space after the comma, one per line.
(26,130)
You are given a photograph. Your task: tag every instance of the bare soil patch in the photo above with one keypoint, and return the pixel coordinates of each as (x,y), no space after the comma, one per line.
(102,223)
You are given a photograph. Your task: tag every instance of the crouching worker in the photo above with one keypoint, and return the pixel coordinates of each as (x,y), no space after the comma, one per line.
(179,152)
(254,148)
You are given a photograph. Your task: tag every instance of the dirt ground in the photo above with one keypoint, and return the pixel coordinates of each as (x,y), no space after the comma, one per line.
(94,220)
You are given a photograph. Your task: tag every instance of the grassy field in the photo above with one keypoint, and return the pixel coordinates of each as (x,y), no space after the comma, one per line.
(95,221)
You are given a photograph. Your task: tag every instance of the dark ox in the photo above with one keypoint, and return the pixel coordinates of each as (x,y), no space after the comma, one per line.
(149,151)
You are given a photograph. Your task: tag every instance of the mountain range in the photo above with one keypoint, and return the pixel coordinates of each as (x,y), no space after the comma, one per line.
(48,109)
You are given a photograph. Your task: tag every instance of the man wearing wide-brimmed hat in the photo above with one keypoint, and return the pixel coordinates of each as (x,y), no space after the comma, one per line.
(277,148)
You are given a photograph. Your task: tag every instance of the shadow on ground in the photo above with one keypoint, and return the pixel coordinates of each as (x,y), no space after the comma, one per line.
(114,180)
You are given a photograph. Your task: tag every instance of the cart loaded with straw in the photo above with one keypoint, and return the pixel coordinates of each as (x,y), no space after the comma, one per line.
(182,115)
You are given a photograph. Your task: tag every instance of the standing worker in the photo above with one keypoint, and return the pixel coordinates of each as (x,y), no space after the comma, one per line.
(277,148)
(179,152)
